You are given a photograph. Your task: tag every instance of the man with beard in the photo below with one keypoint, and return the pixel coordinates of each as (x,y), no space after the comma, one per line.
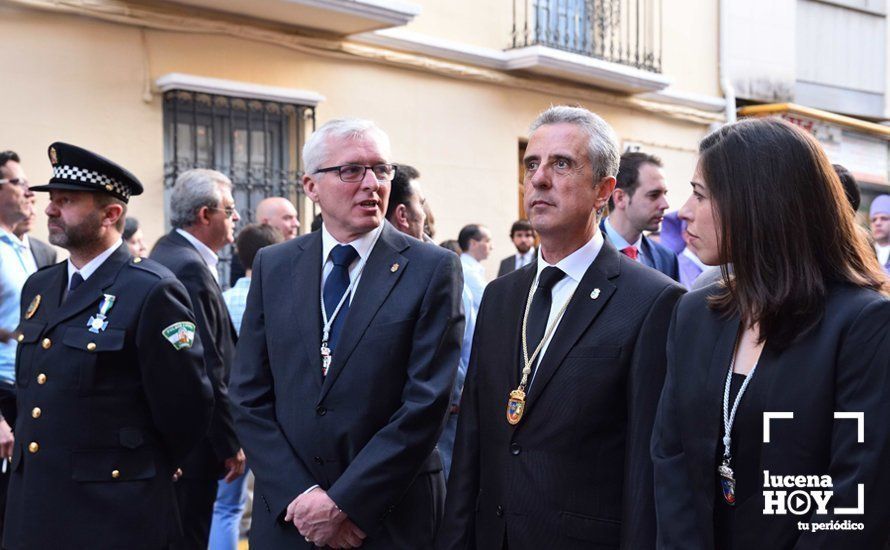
(111,390)
(523,237)
(638,204)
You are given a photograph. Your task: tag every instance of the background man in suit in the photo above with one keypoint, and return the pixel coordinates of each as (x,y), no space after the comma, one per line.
(203,215)
(405,210)
(557,411)
(523,237)
(276,212)
(111,388)
(638,204)
(349,346)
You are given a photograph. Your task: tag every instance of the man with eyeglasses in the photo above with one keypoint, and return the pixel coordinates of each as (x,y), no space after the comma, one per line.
(349,345)
(16,265)
(203,216)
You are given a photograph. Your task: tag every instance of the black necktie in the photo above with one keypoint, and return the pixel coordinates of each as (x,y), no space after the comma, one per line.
(76,281)
(335,286)
(540,310)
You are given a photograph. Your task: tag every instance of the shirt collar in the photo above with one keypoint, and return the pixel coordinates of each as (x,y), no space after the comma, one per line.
(12,239)
(362,244)
(528,256)
(575,265)
(471,261)
(695,259)
(93,264)
(618,240)
(209,256)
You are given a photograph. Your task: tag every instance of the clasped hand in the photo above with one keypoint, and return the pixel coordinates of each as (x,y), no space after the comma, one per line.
(319,520)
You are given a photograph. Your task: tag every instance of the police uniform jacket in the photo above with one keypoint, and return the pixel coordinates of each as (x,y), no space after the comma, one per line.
(104,417)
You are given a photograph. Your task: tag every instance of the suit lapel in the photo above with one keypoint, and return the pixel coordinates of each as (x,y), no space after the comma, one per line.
(715,381)
(516,310)
(582,311)
(377,280)
(91,290)
(305,304)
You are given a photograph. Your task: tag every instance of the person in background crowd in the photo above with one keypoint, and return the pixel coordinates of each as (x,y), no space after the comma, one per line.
(316,222)
(674,238)
(111,388)
(349,345)
(802,329)
(879,215)
(203,216)
(231,497)
(552,447)
(279,213)
(134,238)
(475,246)
(851,188)
(43,253)
(523,237)
(452,245)
(16,265)
(638,204)
(405,210)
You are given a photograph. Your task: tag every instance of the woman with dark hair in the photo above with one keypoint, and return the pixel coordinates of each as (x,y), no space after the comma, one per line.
(133,237)
(799,330)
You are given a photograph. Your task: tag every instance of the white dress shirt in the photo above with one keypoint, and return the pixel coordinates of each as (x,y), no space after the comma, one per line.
(523,260)
(574,265)
(883,253)
(363,245)
(210,258)
(87,270)
(474,278)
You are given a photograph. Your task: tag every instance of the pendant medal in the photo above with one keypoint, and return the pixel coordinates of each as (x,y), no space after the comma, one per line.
(727,482)
(515,406)
(325,358)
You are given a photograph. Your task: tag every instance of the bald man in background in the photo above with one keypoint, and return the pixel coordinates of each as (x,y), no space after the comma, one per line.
(277,212)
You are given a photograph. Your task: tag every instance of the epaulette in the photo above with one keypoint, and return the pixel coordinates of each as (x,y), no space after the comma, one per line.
(149,266)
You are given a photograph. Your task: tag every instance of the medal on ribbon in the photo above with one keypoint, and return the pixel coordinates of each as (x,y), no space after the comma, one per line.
(515,406)
(98,322)
(727,482)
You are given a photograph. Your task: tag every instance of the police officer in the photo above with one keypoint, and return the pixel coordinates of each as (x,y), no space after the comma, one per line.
(111,388)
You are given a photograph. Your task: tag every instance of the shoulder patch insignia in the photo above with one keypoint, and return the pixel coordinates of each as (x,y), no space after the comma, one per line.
(181,335)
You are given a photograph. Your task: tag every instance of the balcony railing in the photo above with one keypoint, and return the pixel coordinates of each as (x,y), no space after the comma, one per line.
(618,31)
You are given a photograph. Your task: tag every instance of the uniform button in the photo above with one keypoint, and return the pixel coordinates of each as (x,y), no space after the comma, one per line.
(35,412)
(20,338)
(500,511)
(318,460)
(41,378)
(33,447)
(47,343)
(515,449)
(115,474)
(91,346)
(137,260)
(321,411)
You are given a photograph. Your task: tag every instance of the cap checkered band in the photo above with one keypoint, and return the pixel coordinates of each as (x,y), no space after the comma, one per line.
(88,176)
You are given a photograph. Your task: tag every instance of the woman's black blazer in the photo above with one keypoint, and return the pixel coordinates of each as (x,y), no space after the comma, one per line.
(841,365)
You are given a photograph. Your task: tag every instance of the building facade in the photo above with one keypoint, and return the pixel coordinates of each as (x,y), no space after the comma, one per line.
(237,85)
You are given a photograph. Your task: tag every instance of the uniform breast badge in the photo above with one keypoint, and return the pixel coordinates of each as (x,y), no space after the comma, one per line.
(98,322)
(32,307)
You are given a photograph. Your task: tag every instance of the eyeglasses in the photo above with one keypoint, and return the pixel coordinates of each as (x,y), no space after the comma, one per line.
(15,181)
(352,173)
(229,211)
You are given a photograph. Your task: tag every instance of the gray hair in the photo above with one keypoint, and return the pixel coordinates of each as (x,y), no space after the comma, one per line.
(315,151)
(193,190)
(602,147)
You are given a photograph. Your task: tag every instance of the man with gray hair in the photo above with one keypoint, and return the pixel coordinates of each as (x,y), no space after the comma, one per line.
(349,346)
(552,446)
(203,217)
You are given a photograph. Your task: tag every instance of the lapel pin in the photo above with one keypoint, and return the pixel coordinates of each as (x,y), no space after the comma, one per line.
(595,294)
(394,268)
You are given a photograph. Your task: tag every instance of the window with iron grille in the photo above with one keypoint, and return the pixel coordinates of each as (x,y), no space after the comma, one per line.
(256,143)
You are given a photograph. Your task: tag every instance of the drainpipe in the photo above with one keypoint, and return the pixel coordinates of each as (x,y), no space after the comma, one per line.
(725,81)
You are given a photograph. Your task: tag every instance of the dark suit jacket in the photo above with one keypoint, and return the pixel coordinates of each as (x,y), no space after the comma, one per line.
(508,265)
(575,472)
(110,414)
(655,256)
(218,336)
(843,364)
(365,433)
(44,254)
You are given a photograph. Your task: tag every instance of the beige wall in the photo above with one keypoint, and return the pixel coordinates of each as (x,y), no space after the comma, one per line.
(84,81)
